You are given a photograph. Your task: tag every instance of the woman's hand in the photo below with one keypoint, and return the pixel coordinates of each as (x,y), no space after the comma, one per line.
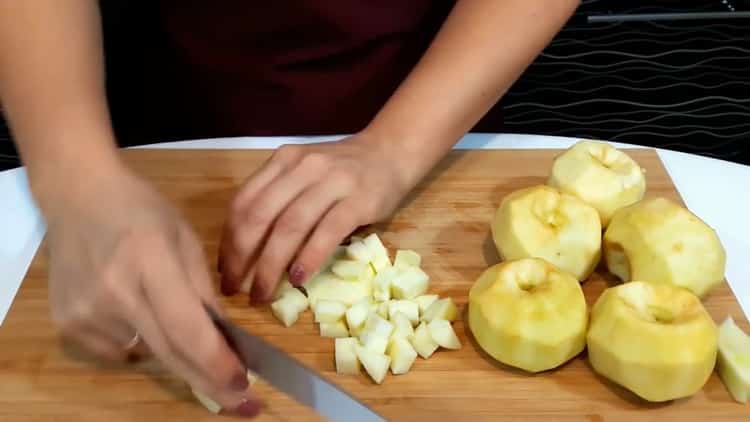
(297,208)
(123,261)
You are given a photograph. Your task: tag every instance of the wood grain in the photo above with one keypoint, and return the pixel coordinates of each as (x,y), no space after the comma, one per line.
(446,220)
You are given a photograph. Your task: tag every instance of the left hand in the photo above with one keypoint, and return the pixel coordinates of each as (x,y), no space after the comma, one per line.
(294,211)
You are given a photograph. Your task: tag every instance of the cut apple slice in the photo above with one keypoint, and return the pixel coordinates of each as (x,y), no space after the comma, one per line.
(356,316)
(407,258)
(402,355)
(733,363)
(409,283)
(541,222)
(358,251)
(423,342)
(345,350)
(283,288)
(424,302)
(329,311)
(351,270)
(331,287)
(376,364)
(600,175)
(210,404)
(382,284)
(656,340)
(443,334)
(406,307)
(401,326)
(287,308)
(376,333)
(441,309)
(379,254)
(382,308)
(333,329)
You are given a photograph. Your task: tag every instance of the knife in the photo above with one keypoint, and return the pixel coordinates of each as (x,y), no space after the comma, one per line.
(292,377)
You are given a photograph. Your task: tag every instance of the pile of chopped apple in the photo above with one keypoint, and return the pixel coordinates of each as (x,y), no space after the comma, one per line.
(378,312)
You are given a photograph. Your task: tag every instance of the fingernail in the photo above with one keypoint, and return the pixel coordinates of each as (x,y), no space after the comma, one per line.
(249,408)
(239,382)
(297,274)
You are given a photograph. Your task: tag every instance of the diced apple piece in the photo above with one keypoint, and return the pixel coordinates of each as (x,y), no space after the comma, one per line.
(733,363)
(424,302)
(356,315)
(407,307)
(329,311)
(407,258)
(377,325)
(374,342)
(210,404)
(350,270)
(287,308)
(282,288)
(380,259)
(331,287)
(333,329)
(207,402)
(382,283)
(401,326)
(402,355)
(382,309)
(423,342)
(441,309)
(358,251)
(376,332)
(409,283)
(443,334)
(376,364)
(346,356)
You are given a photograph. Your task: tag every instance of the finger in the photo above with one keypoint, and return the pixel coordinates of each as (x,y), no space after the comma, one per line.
(247,234)
(235,399)
(180,331)
(228,264)
(289,233)
(193,259)
(337,224)
(282,159)
(89,339)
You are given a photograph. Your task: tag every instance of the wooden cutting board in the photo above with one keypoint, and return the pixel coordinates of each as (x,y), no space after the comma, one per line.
(446,220)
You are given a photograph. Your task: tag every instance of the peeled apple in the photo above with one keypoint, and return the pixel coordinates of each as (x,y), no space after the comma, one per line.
(733,363)
(541,222)
(656,340)
(528,314)
(658,241)
(346,356)
(600,175)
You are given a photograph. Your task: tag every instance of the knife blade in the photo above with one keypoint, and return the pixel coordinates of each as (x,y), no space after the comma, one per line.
(292,377)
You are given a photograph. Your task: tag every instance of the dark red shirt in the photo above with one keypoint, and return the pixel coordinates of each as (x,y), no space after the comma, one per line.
(187,69)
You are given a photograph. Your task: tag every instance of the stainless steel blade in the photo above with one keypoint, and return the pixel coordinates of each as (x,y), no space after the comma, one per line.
(292,377)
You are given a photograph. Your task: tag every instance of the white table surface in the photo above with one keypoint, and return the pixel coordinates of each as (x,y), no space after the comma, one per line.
(713,189)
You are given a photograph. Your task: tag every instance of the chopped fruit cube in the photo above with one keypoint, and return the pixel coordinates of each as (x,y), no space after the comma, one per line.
(443,334)
(441,309)
(351,270)
(329,311)
(423,342)
(358,251)
(424,302)
(376,364)
(333,329)
(407,258)
(378,252)
(402,326)
(346,356)
(402,355)
(410,283)
(407,307)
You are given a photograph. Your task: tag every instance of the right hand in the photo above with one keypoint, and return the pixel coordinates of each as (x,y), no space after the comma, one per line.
(123,261)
